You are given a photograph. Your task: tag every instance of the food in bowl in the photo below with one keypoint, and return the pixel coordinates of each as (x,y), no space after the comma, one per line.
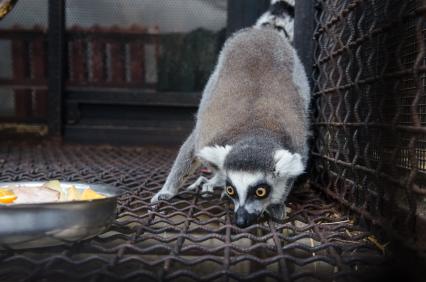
(7,196)
(50,191)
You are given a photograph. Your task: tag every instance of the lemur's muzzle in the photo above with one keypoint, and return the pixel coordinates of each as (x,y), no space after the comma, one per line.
(244,218)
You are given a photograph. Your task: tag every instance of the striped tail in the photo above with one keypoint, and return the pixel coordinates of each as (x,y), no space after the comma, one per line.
(279,16)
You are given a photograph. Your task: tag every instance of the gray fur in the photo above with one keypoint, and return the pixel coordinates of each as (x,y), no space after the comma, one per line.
(252,94)
(253,153)
(255,103)
(184,165)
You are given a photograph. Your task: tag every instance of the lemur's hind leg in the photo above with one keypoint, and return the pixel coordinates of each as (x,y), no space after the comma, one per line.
(218,180)
(184,165)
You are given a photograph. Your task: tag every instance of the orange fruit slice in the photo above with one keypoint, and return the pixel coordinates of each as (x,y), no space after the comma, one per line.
(7,196)
(89,194)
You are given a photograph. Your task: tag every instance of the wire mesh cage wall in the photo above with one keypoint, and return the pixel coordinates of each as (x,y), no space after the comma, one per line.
(369,151)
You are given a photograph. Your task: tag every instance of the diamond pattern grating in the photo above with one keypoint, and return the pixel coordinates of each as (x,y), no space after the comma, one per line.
(191,238)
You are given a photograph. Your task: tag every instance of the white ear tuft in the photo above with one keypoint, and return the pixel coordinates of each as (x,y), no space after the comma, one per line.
(288,164)
(214,155)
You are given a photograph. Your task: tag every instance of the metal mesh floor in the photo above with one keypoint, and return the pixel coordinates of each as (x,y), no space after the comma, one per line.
(191,238)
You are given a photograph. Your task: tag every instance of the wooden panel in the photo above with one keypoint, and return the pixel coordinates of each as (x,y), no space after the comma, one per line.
(39,73)
(78,61)
(98,60)
(118,68)
(129,116)
(133,97)
(137,62)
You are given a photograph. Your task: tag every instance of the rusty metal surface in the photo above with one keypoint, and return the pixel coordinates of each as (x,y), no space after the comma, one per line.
(369,152)
(189,239)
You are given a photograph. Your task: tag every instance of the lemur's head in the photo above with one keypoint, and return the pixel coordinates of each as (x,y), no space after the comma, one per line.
(258,178)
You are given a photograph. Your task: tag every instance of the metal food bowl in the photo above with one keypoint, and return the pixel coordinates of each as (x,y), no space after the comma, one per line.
(49,224)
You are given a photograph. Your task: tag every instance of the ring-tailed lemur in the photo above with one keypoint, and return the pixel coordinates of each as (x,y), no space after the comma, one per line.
(252,124)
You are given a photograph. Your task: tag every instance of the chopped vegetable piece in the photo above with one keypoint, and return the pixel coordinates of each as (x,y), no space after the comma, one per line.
(89,194)
(53,184)
(73,194)
(7,196)
(56,185)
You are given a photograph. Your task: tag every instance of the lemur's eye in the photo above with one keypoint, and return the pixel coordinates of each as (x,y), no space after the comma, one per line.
(261,192)
(230,190)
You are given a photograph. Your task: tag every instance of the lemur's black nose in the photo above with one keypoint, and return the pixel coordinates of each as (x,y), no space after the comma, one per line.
(244,218)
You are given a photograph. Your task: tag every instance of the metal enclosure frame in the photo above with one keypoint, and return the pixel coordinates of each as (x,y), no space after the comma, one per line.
(56,59)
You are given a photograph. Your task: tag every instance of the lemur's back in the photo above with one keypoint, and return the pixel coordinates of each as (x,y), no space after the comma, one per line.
(252,92)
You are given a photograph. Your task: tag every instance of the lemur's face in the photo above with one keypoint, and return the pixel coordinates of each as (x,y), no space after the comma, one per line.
(254,192)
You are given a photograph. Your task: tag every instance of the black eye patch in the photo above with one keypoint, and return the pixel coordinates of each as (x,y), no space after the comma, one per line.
(259,191)
(230,190)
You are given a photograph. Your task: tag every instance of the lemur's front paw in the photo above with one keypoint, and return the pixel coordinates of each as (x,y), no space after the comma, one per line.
(277,211)
(162,195)
(197,183)
(206,185)
(207,190)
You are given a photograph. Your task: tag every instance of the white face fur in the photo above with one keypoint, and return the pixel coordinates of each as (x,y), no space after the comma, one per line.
(244,184)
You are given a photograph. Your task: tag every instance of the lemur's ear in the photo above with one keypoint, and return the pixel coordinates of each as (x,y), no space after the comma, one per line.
(214,155)
(288,164)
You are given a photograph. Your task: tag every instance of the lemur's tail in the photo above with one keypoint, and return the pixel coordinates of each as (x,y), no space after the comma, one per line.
(279,16)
